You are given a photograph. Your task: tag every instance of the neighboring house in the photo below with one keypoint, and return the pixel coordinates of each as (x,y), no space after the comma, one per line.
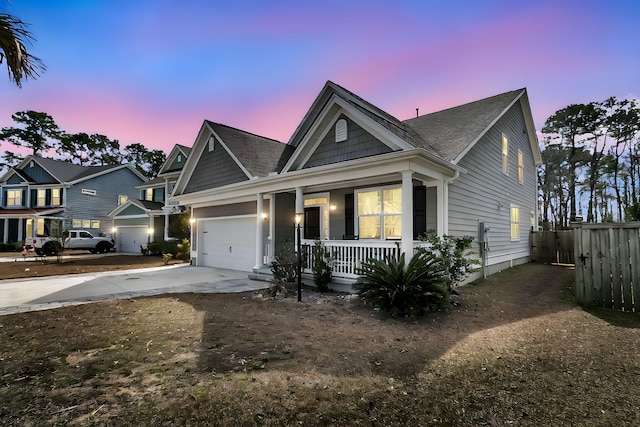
(140,221)
(366,184)
(41,195)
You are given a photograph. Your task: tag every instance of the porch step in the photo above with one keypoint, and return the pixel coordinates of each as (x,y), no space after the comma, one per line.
(261,274)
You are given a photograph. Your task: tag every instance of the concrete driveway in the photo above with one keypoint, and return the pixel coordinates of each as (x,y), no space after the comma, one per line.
(19,295)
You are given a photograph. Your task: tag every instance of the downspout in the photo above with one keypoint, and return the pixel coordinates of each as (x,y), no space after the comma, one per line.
(445,201)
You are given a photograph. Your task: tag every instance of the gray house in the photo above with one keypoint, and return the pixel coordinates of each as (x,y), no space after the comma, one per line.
(40,195)
(366,183)
(146,218)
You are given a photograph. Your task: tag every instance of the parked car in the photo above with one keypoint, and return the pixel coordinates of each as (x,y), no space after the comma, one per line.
(73,239)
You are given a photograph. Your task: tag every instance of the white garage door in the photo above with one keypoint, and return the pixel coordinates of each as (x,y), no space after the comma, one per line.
(228,243)
(129,239)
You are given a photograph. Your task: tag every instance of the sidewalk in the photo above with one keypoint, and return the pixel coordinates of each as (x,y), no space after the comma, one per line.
(20,295)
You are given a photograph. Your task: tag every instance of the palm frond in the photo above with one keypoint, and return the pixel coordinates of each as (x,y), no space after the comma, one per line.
(13,39)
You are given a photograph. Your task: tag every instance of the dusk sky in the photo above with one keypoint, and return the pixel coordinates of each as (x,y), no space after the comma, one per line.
(150,71)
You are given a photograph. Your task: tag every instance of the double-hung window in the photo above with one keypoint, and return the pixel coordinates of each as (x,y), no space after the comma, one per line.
(56,199)
(520,168)
(14,197)
(505,155)
(380,213)
(515,222)
(42,197)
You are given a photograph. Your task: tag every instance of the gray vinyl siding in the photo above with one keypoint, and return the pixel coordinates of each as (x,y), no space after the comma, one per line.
(236,209)
(107,187)
(214,169)
(486,194)
(359,144)
(130,222)
(176,165)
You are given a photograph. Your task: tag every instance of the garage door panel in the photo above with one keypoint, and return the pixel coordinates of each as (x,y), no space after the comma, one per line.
(129,239)
(228,243)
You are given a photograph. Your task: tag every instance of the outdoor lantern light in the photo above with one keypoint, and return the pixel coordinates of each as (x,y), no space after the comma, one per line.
(192,221)
(299,249)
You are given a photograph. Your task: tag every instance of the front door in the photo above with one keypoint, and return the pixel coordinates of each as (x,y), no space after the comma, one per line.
(312,223)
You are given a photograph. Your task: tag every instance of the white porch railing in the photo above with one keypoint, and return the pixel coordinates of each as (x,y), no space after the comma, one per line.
(348,255)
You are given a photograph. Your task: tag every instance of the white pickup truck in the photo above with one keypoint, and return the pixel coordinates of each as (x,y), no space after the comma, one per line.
(73,239)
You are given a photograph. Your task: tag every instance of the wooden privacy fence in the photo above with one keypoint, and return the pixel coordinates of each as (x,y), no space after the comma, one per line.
(552,246)
(608,265)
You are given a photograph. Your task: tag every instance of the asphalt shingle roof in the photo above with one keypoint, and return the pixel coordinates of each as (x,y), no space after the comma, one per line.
(258,154)
(449,132)
(65,171)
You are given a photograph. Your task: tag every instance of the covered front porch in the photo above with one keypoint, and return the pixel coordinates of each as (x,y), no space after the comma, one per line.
(19,225)
(374,217)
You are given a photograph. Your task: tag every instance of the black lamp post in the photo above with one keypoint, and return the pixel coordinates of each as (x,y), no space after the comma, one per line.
(299,249)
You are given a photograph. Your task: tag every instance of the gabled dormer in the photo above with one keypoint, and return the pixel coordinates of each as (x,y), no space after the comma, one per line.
(175,161)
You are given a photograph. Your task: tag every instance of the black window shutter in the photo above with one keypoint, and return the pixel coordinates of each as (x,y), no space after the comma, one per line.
(348,215)
(419,211)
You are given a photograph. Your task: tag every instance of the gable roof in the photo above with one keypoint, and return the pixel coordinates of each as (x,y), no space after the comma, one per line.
(454,131)
(380,116)
(177,149)
(145,206)
(65,172)
(259,155)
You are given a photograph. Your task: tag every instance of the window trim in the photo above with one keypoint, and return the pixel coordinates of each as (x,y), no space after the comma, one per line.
(520,167)
(41,197)
(514,223)
(56,200)
(505,154)
(16,199)
(382,215)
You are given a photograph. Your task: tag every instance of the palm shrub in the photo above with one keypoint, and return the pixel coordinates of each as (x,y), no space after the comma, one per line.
(322,266)
(403,290)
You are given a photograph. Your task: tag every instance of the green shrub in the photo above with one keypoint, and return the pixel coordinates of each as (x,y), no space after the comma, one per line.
(284,265)
(10,247)
(322,266)
(453,257)
(184,249)
(403,290)
(162,247)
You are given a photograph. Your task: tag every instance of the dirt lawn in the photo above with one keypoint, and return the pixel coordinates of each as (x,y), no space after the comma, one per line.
(83,263)
(511,350)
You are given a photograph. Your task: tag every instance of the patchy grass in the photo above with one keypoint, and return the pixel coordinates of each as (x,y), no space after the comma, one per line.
(514,351)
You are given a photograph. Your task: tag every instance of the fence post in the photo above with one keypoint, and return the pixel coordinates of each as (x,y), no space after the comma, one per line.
(580,261)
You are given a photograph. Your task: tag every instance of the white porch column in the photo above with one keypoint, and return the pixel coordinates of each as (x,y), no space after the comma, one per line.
(407,215)
(6,230)
(272,227)
(442,200)
(259,231)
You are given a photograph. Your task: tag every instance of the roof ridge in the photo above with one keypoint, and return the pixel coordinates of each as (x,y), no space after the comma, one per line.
(244,131)
(465,104)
